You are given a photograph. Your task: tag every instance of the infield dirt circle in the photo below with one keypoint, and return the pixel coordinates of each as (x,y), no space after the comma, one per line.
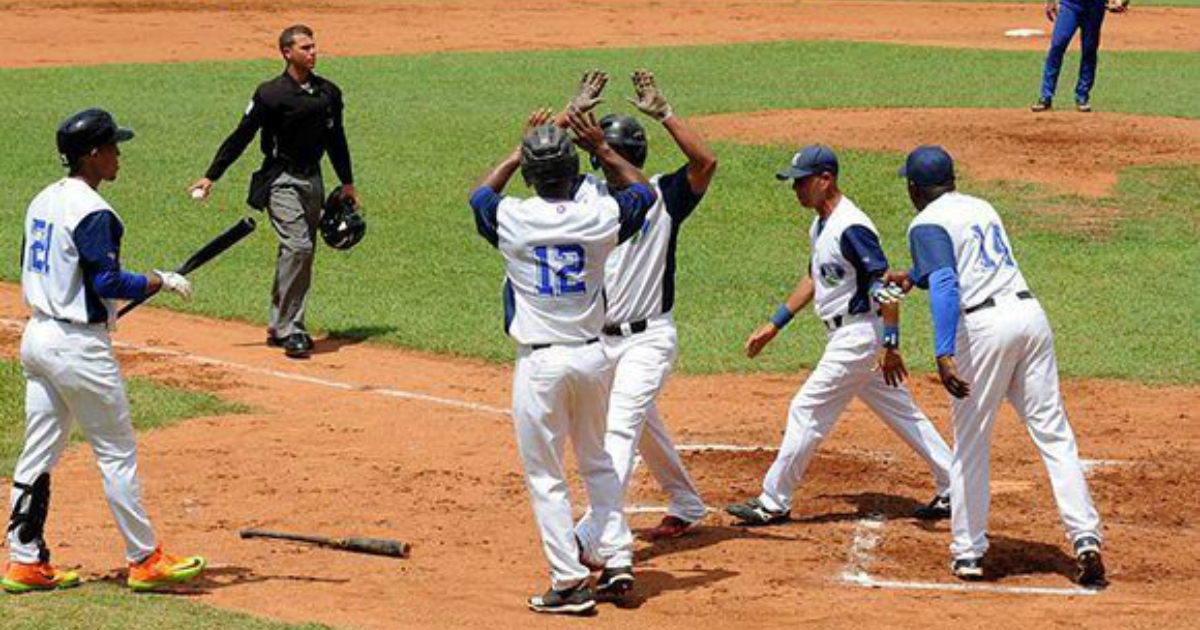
(378,442)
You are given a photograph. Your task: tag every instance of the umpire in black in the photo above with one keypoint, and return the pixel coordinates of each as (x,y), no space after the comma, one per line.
(300,115)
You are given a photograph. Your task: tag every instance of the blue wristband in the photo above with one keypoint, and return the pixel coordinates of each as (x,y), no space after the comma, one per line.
(891,336)
(782,316)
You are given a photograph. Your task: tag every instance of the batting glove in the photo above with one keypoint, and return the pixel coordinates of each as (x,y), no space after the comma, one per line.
(175,283)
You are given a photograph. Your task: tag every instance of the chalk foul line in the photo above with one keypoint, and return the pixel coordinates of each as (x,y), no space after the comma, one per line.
(867,534)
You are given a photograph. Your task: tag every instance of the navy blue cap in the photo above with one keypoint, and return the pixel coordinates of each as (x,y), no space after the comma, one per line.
(813,159)
(928,165)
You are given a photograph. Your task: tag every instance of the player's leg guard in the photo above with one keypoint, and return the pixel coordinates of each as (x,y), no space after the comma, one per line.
(28,519)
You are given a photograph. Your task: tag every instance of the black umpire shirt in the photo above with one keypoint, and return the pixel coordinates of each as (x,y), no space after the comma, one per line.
(299,124)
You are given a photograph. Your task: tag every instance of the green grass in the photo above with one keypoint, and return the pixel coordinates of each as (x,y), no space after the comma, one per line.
(110,607)
(424,128)
(153,406)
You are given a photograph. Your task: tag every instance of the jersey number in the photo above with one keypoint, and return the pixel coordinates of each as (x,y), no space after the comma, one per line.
(565,279)
(1001,255)
(39,246)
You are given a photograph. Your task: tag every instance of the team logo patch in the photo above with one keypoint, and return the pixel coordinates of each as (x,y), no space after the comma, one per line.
(832,274)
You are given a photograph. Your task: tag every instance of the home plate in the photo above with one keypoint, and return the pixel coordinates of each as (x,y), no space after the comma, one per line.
(1025,32)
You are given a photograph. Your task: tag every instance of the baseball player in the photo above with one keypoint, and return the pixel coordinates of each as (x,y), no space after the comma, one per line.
(862,357)
(554,249)
(989,328)
(71,278)
(300,115)
(1086,16)
(639,337)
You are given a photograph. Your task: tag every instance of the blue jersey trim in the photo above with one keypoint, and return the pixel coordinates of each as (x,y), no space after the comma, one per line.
(486,204)
(97,238)
(634,202)
(931,249)
(510,305)
(860,246)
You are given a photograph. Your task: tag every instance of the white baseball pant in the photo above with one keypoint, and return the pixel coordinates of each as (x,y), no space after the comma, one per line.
(848,369)
(1007,351)
(640,364)
(72,375)
(560,392)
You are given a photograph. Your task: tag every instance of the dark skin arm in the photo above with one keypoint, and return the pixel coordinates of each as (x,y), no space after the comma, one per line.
(948,375)
(702,162)
(590,138)
(499,176)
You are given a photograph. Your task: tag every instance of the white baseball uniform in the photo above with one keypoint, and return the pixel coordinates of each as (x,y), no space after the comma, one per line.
(70,276)
(640,342)
(554,254)
(1004,349)
(846,258)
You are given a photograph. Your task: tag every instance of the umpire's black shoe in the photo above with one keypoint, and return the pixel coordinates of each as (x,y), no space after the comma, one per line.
(968,569)
(936,510)
(580,600)
(614,582)
(1042,105)
(298,346)
(1090,565)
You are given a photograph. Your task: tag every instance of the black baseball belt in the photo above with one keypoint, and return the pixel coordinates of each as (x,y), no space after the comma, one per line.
(837,321)
(542,346)
(625,330)
(990,302)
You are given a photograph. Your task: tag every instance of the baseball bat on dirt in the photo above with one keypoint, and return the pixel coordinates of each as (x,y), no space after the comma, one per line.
(214,248)
(373,546)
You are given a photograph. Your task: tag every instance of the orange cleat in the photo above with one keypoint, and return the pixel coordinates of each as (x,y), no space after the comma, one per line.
(162,569)
(25,578)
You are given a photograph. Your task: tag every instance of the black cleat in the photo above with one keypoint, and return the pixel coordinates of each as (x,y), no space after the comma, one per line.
(1083,106)
(273,341)
(1091,567)
(579,600)
(968,569)
(753,512)
(614,582)
(298,346)
(936,510)
(1043,105)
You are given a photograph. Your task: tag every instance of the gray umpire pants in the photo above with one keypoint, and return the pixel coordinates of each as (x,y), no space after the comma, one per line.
(295,211)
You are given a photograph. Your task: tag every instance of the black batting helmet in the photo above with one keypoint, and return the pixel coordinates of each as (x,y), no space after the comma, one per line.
(342,226)
(626,136)
(548,155)
(86,131)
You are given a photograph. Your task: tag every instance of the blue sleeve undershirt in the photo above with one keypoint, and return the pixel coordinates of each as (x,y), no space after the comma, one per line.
(486,203)
(634,202)
(934,268)
(98,241)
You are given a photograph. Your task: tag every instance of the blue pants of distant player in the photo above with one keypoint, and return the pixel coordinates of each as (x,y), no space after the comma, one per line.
(1086,16)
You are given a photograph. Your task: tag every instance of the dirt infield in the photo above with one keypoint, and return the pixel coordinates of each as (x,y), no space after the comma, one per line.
(345,444)
(77,32)
(1072,152)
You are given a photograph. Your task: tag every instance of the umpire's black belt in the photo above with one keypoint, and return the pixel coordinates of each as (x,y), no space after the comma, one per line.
(542,346)
(990,302)
(620,330)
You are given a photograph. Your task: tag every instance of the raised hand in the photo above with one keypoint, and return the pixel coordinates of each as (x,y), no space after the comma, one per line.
(588,134)
(587,95)
(650,99)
